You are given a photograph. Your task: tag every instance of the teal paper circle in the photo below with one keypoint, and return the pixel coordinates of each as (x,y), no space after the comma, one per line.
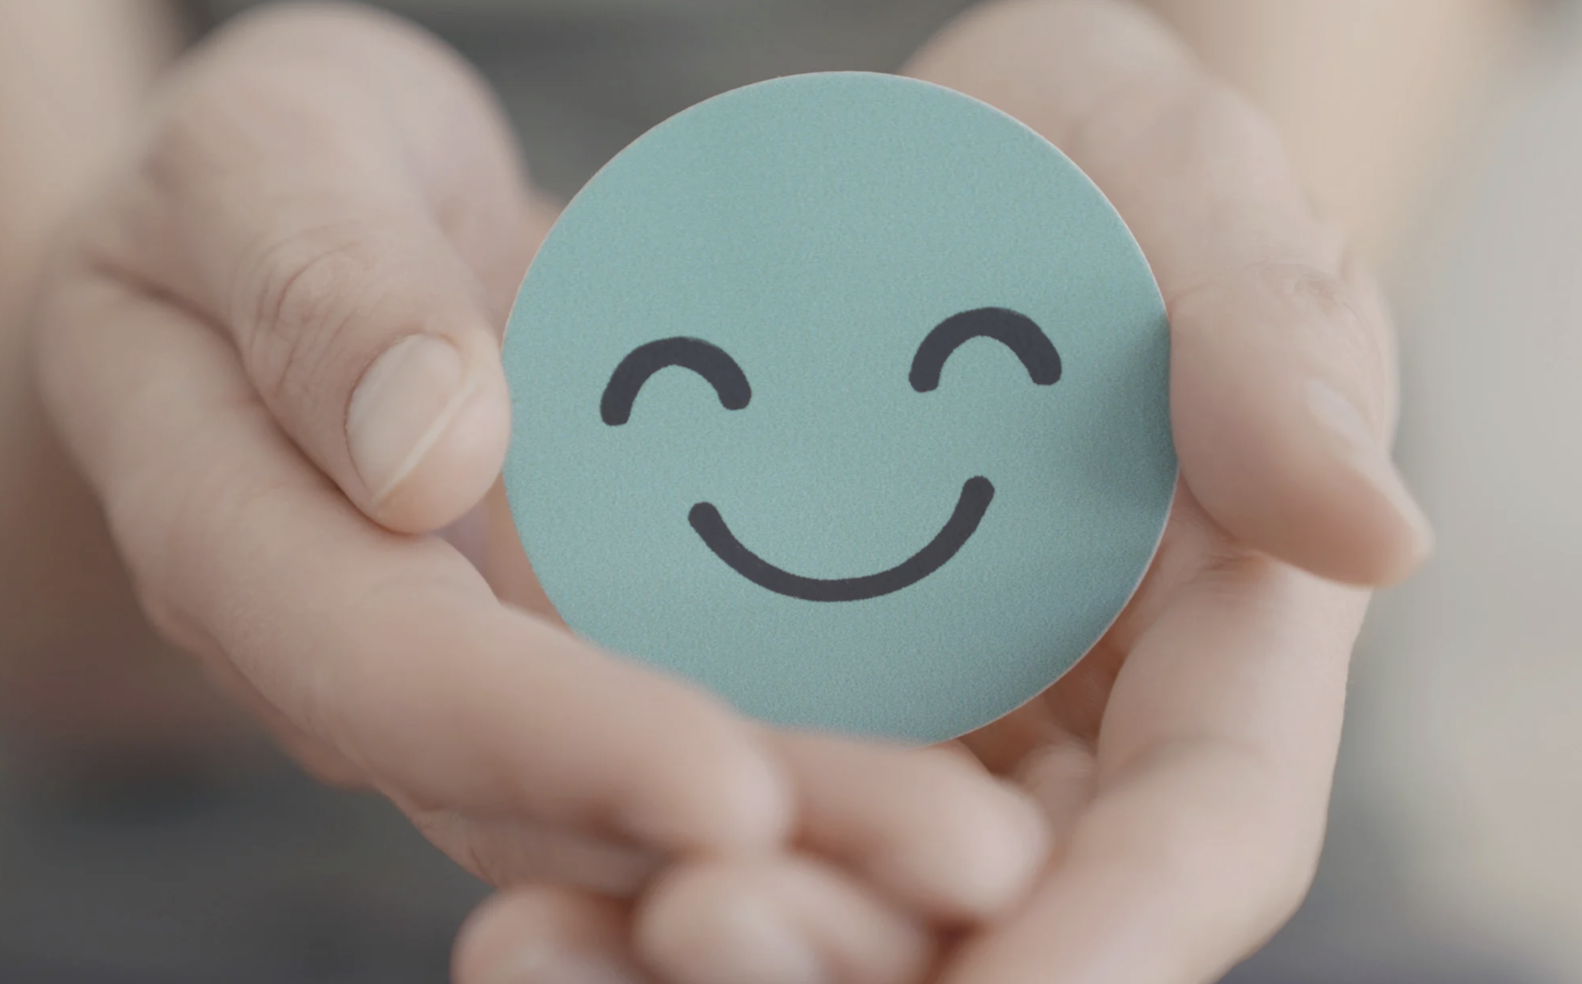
(815,230)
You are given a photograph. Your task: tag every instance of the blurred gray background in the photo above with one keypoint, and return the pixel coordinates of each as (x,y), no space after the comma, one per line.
(1454,855)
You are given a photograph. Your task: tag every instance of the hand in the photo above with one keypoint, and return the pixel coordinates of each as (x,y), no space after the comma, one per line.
(1184,766)
(273,349)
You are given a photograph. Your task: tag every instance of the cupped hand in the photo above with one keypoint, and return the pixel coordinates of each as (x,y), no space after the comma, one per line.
(1185,765)
(272,346)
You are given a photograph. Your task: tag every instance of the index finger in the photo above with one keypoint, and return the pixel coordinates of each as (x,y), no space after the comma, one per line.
(389,649)
(1282,374)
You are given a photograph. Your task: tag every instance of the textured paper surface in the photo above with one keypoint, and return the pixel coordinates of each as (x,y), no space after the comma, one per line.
(807,235)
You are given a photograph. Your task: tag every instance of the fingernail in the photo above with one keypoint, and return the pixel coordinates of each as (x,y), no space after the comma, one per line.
(758,941)
(556,965)
(1357,446)
(402,407)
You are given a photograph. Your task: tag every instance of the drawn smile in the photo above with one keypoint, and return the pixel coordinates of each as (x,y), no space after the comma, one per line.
(976,494)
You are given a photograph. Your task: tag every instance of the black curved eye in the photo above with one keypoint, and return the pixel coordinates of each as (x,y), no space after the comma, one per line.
(1017,332)
(708,361)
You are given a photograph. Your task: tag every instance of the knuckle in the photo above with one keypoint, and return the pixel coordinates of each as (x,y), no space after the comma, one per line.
(1360,347)
(290,284)
(1220,131)
(1320,297)
(221,124)
(300,295)
(190,144)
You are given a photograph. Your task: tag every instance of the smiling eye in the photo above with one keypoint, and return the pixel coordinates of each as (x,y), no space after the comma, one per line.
(708,361)
(1017,332)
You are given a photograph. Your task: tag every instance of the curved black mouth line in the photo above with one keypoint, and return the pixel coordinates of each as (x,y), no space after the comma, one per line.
(976,494)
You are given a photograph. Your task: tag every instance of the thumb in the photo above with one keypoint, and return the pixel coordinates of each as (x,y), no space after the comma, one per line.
(1282,425)
(334,192)
(1282,366)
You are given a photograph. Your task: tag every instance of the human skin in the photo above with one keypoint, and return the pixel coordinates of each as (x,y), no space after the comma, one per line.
(1371,97)
(312,191)
(227,347)
(80,671)
(212,423)
(1185,767)
(1364,142)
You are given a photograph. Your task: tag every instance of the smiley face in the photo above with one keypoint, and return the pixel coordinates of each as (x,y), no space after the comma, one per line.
(1017,332)
(845,396)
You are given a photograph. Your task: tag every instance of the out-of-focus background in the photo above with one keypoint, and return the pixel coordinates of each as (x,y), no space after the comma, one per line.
(1455,853)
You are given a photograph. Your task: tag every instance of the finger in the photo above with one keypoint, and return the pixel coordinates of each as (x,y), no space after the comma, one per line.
(1282,385)
(933,831)
(390,650)
(333,191)
(1214,772)
(317,759)
(929,829)
(1060,777)
(546,936)
(782,921)
(512,852)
